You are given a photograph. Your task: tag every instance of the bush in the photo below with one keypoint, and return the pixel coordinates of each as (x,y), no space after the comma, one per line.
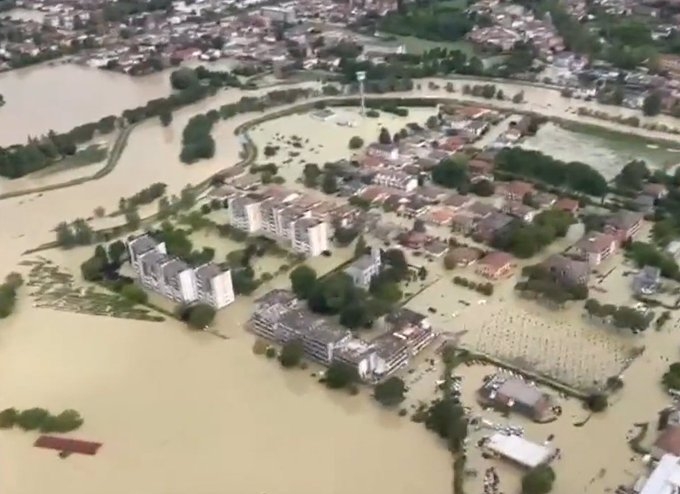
(270,352)
(372,113)
(200,316)
(134,294)
(356,142)
(8,418)
(259,347)
(291,354)
(597,402)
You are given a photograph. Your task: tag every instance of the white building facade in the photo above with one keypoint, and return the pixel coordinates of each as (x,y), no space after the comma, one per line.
(175,279)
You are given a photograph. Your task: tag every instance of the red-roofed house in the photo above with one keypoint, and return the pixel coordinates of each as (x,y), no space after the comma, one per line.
(568,205)
(495,265)
(516,190)
(452,144)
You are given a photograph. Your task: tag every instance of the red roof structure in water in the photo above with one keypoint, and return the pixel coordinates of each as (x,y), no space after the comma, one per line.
(67,445)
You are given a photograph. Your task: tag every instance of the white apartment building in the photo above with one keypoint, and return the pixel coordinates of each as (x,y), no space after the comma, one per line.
(175,279)
(310,236)
(245,212)
(396,179)
(292,224)
(364,269)
(214,286)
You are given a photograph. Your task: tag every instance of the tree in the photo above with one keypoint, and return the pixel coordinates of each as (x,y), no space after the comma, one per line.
(99,211)
(384,137)
(356,142)
(652,104)
(132,219)
(354,316)
(93,268)
(8,418)
(200,316)
(329,184)
(539,480)
(311,174)
(340,375)
(671,378)
(432,122)
(303,281)
(165,118)
(65,236)
(116,252)
(597,402)
(292,353)
(183,78)
(32,418)
(134,294)
(66,421)
(450,173)
(483,188)
(390,392)
(361,247)
(518,98)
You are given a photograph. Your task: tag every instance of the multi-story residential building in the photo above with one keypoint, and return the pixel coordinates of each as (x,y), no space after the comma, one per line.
(392,353)
(396,179)
(214,286)
(361,356)
(596,247)
(364,269)
(310,236)
(245,212)
(175,279)
(268,310)
(412,328)
(141,245)
(624,225)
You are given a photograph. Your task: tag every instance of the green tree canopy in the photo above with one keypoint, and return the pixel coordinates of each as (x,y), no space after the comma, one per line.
(538,480)
(390,392)
(200,316)
(292,353)
(303,281)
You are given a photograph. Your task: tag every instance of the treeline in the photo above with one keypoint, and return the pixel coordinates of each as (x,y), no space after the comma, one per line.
(197,143)
(144,196)
(40,419)
(38,153)
(437,22)
(8,293)
(534,165)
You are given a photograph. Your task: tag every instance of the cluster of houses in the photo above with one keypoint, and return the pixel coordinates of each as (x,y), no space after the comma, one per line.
(279,317)
(513,24)
(174,279)
(300,222)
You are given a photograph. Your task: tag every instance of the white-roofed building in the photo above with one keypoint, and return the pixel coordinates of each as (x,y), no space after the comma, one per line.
(519,450)
(665,479)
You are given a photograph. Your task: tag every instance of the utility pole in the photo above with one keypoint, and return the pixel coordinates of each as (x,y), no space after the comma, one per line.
(361,77)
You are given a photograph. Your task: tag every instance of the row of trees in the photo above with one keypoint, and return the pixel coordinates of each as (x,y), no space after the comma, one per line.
(8,294)
(483,288)
(623,317)
(40,419)
(574,176)
(72,234)
(144,196)
(196,316)
(38,153)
